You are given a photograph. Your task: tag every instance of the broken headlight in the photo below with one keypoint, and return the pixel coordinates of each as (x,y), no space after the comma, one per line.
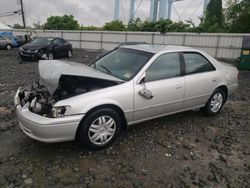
(59,111)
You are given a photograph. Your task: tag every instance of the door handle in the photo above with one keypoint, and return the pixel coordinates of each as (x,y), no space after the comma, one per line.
(178,86)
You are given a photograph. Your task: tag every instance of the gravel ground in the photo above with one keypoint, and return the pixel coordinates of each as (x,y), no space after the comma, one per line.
(182,150)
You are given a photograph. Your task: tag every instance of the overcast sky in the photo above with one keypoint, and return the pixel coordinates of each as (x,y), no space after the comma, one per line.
(92,12)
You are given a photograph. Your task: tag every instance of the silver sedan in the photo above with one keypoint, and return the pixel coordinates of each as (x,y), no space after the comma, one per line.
(129,85)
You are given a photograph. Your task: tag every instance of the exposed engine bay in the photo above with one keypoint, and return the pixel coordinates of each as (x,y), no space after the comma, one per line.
(40,101)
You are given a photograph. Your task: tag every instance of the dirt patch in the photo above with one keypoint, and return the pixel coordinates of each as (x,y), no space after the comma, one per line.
(182,150)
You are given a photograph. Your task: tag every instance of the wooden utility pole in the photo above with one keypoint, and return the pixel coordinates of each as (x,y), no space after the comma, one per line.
(21,2)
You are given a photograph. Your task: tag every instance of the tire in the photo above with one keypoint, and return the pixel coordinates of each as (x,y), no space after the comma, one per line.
(8,47)
(95,136)
(69,53)
(50,56)
(215,103)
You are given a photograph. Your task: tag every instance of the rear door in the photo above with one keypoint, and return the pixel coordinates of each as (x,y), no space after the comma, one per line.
(200,80)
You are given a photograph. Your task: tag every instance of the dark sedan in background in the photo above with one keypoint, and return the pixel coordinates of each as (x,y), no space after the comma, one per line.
(45,48)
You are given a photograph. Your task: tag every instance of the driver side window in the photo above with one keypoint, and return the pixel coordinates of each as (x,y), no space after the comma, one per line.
(165,66)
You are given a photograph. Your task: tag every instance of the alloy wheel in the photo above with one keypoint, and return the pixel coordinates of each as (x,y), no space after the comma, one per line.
(9,47)
(69,53)
(102,130)
(50,56)
(216,102)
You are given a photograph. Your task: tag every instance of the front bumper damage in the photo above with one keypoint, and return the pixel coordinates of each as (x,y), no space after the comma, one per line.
(32,55)
(46,129)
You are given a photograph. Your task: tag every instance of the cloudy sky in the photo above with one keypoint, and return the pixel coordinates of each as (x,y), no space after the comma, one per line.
(93,12)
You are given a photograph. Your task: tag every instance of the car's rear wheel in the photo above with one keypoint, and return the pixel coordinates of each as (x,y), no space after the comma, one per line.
(100,128)
(8,47)
(215,102)
(70,53)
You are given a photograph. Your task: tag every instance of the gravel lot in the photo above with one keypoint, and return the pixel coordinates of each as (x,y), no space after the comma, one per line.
(182,150)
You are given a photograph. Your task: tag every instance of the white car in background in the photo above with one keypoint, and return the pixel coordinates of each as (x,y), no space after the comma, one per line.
(129,85)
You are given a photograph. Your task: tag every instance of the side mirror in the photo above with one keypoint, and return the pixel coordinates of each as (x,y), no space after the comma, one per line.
(145,92)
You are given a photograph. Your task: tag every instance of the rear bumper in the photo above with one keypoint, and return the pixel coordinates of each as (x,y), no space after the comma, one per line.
(46,129)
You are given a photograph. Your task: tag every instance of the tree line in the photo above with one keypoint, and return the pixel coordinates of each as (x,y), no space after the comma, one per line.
(233,19)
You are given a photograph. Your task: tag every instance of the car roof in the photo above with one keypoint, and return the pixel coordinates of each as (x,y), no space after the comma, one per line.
(156,48)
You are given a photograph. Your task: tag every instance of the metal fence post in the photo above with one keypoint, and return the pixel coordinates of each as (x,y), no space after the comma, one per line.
(101,41)
(184,39)
(80,38)
(126,37)
(62,33)
(153,38)
(217,46)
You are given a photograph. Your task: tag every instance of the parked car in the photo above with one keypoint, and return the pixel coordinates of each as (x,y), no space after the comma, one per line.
(7,41)
(132,84)
(45,48)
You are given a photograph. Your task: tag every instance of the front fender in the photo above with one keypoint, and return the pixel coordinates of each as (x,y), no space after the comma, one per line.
(100,102)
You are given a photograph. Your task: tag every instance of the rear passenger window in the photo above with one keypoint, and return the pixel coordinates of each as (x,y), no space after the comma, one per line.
(196,63)
(165,66)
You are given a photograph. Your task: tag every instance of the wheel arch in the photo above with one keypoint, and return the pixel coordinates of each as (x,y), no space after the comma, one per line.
(111,106)
(225,89)
(9,44)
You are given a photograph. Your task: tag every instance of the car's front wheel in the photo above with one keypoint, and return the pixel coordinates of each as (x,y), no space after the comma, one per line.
(215,102)
(70,53)
(50,56)
(100,128)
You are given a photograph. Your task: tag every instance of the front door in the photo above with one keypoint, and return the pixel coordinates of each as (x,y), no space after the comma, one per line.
(164,81)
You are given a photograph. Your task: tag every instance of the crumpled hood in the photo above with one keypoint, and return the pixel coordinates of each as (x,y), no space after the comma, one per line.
(50,72)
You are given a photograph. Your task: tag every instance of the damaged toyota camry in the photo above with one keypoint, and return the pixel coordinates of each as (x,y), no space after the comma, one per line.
(131,84)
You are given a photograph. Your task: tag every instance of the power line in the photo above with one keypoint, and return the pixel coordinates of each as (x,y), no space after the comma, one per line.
(7,15)
(11,13)
(7,12)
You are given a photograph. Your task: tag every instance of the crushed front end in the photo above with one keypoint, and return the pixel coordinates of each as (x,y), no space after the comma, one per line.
(41,121)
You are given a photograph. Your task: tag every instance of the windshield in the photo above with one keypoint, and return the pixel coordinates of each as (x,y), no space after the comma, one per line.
(41,41)
(122,63)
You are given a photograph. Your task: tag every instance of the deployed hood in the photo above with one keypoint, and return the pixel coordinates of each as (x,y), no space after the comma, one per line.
(51,71)
(33,47)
